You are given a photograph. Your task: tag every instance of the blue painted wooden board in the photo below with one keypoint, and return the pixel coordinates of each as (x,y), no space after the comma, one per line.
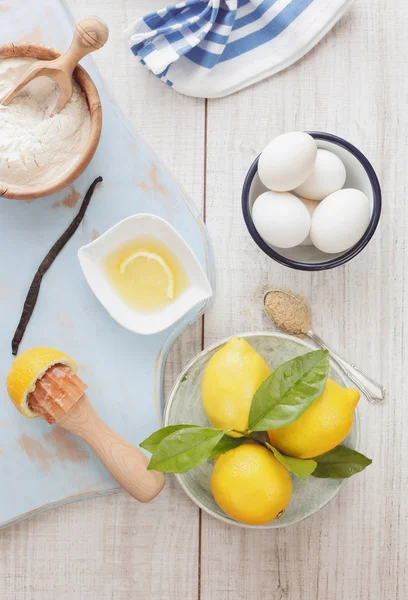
(41,467)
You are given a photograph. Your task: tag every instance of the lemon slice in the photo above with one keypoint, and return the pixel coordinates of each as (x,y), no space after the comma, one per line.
(153,271)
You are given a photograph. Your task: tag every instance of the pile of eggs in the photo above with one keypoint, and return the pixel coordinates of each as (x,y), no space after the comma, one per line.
(306,203)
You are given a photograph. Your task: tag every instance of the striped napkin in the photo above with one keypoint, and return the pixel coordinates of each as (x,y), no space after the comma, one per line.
(211,48)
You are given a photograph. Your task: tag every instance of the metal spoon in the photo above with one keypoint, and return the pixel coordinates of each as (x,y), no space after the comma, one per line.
(373,391)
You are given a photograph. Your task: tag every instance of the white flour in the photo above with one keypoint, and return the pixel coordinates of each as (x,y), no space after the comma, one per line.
(36,149)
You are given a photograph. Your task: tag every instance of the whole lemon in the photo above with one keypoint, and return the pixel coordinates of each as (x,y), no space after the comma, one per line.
(230,381)
(323,426)
(250,485)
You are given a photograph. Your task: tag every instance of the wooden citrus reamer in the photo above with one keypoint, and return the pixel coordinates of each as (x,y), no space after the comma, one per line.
(60,398)
(90,34)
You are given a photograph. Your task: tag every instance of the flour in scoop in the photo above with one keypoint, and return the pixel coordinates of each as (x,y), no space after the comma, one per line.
(35,147)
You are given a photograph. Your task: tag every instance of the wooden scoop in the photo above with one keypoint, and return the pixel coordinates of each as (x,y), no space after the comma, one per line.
(59,397)
(90,34)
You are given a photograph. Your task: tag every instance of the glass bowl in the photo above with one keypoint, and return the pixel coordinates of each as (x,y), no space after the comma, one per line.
(184,406)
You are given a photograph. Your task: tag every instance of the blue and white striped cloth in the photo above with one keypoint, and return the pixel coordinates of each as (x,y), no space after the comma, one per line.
(211,48)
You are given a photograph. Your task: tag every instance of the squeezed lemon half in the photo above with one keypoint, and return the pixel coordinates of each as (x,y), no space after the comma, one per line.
(27,369)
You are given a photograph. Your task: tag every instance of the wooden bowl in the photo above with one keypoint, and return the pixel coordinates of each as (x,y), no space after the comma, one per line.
(94,103)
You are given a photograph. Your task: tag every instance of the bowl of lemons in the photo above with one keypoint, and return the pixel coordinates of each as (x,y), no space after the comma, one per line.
(260,430)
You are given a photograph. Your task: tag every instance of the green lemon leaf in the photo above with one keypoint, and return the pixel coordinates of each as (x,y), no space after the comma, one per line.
(152,442)
(340,463)
(226,443)
(185,449)
(300,467)
(289,391)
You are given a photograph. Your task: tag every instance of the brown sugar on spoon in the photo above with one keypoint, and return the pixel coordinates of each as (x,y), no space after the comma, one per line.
(292,314)
(289,312)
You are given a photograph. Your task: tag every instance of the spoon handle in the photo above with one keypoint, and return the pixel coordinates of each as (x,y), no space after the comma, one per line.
(373,391)
(90,34)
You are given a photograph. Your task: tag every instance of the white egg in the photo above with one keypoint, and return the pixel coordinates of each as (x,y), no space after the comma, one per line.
(281,219)
(340,220)
(328,176)
(287,161)
(311,207)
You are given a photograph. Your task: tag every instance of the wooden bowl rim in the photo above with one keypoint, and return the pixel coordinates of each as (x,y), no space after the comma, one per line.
(87,85)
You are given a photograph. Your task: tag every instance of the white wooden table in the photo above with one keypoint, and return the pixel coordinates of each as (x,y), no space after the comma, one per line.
(355,84)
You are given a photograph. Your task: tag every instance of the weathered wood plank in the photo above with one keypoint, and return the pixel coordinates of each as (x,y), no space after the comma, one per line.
(352,84)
